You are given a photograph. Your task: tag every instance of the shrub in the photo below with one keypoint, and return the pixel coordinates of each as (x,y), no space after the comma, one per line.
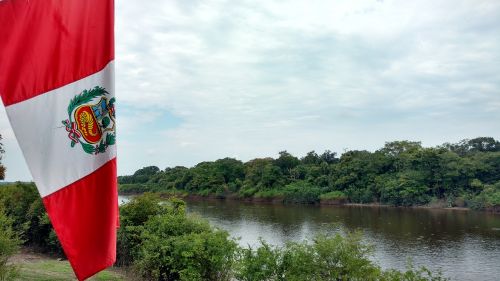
(333,195)
(489,197)
(327,258)
(412,274)
(176,247)
(264,263)
(17,199)
(24,206)
(9,244)
(163,243)
(403,189)
(269,194)
(133,216)
(246,192)
(301,192)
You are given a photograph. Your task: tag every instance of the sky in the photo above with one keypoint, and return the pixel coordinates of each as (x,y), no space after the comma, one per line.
(202,80)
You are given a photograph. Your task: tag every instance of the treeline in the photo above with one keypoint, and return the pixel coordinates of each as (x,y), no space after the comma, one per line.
(402,173)
(158,240)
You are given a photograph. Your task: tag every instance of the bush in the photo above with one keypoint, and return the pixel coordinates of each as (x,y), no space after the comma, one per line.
(403,190)
(182,248)
(261,264)
(246,192)
(327,258)
(488,198)
(17,199)
(163,243)
(269,194)
(333,195)
(9,245)
(301,192)
(359,195)
(25,207)
(412,274)
(133,216)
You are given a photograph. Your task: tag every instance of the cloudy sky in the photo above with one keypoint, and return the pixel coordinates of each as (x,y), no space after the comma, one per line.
(201,80)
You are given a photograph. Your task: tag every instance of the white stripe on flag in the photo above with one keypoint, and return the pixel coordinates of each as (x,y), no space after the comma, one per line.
(44,140)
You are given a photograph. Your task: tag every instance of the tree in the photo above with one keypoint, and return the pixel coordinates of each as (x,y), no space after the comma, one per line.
(396,148)
(2,168)
(231,169)
(147,171)
(480,144)
(286,162)
(311,158)
(329,157)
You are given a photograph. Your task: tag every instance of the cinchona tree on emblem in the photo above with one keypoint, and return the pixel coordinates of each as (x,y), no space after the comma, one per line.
(91,120)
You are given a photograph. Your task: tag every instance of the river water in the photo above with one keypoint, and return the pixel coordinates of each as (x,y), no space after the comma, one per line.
(464,245)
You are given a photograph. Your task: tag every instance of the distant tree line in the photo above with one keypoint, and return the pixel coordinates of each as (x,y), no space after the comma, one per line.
(402,173)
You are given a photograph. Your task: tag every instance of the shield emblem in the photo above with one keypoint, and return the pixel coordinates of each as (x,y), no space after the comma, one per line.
(91,121)
(87,118)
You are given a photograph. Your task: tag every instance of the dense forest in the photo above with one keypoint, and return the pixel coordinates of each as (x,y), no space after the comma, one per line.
(402,173)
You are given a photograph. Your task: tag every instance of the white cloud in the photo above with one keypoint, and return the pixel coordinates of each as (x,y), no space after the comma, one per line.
(251,78)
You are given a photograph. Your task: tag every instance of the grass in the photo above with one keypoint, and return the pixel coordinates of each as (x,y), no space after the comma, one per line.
(43,269)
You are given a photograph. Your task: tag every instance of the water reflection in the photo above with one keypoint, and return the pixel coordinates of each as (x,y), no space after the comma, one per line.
(464,245)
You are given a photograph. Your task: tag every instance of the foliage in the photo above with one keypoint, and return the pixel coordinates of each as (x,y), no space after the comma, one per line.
(269,194)
(23,205)
(263,263)
(84,97)
(402,173)
(487,198)
(9,244)
(412,274)
(2,167)
(333,195)
(162,242)
(301,192)
(159,241)
(326,258)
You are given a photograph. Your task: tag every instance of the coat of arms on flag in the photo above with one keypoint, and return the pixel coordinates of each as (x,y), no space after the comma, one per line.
(91,120)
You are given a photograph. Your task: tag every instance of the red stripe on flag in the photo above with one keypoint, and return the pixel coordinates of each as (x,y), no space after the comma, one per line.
(84,215)
(46,44)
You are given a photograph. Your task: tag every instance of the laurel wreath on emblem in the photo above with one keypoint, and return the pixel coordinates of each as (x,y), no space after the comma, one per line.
(91,125)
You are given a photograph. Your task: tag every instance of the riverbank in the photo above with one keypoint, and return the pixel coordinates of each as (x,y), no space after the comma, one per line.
(441,205)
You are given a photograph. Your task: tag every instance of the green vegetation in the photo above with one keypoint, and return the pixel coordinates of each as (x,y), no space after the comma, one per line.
(9,244)
(162,242)
(2,168)
(402,173)
(158,240)
(53,270)
(333,195)
(326,258)
(23,205)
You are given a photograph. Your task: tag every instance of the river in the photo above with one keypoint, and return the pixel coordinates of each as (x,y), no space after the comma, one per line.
(464,245)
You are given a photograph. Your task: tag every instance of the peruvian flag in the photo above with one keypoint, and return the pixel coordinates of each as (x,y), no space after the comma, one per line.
(57,84)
